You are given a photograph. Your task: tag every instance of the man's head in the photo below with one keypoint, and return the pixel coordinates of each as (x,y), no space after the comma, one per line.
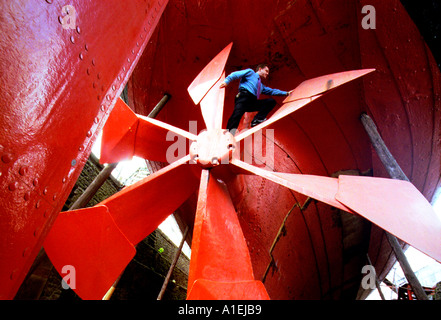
(262,70)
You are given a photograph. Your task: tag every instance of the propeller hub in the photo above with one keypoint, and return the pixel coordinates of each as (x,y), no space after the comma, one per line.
(212,148)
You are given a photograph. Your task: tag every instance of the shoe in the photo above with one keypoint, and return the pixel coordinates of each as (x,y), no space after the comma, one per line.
(255,122)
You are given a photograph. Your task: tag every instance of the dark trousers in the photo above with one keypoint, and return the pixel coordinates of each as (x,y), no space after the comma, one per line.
(247,102)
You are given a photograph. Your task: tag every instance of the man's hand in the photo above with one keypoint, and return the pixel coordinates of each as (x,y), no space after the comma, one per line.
(223,85)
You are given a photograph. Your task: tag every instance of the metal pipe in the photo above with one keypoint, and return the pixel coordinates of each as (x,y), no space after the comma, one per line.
(172,266)
(159,106)
(92,189)
(395,172)
(377,283)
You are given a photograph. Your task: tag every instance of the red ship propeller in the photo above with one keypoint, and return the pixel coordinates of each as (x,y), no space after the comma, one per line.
(99,241)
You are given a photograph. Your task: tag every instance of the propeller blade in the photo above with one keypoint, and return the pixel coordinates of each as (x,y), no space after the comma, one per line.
(212,105)
(283,111)
(317,187)
(208,77)
(220,262)
(126,134)
(140,208)
(154,139)
(305,93)
(395,206)
(119,133)
(214,290)
(86,247)
(320,85)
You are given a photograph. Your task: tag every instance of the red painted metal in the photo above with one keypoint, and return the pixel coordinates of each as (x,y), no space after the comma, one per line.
(396,206)
(215,290)
(120,139)
(127,134)
(59,83)
(209,76)
(320,188)
(220,265)
(305,93)
(89,241)
(212,105)
(320,85)
(133,214)
(140,208)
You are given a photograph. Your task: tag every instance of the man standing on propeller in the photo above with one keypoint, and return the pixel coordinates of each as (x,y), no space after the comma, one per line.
(247,100)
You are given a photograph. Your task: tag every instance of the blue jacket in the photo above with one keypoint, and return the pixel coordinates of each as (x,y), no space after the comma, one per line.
(249,79)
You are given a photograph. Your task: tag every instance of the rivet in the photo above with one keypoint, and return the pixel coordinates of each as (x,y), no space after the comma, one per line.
(109,97)
(96,120)
(60,19)
(64,180)
(45,190)
(98,97)
(113,87)
(81,56)
(13,186)
(102,108)
(78,29)
(13,274)
(88,71)
(72,39)
(94,85)
(54,197)
(86,47)
(89,134)
(49,1)
(6,158)
(98,75)
(23,171)
(128,60)
(38,204)
(37,232)
(93,62)
(27,195)
(26,252)
(81,148)
(35,182)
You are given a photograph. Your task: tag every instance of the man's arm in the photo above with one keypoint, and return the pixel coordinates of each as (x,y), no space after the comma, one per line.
(273,92)
(234,76)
